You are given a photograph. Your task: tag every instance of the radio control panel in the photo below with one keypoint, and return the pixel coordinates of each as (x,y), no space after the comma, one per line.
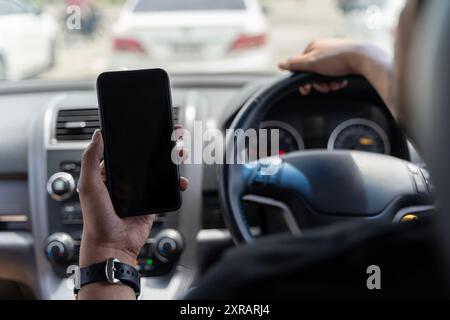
(158,256)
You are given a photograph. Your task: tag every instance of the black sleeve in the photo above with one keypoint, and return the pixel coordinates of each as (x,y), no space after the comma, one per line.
(331,263)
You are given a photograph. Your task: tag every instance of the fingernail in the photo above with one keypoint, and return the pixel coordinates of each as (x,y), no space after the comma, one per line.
(96,135)
(184,184)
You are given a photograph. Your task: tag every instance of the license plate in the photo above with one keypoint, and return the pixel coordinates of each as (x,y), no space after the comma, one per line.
(187,48)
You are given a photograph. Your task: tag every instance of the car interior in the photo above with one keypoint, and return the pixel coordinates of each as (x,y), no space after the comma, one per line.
(46,124)
(33,162)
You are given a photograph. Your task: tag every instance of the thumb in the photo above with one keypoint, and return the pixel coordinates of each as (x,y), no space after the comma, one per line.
(90,166)
(300,63)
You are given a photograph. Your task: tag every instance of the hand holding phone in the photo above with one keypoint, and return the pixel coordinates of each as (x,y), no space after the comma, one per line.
(105,234)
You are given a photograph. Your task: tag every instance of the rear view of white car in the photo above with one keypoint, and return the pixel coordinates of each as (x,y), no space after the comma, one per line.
(28,40)
(215,35)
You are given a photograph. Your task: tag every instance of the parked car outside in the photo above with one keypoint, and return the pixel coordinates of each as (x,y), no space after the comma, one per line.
(28,42)
(192,35)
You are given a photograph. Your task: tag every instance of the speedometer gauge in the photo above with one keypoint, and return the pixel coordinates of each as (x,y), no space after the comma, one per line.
(360,135)
(290,139)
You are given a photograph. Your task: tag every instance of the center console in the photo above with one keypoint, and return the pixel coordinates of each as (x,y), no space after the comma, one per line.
(65,220)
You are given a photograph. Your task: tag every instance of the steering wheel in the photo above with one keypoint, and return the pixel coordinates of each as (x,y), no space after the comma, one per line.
(316,188)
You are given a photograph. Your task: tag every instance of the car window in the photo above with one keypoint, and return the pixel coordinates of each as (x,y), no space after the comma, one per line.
(186,5)
(8,7)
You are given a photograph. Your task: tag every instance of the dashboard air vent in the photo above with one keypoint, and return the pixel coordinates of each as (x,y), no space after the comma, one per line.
(76,124)
(80,124)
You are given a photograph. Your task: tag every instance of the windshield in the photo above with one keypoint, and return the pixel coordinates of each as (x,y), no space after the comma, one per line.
(78,39)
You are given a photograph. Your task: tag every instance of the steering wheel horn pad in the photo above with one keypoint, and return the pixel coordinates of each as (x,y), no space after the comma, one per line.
(347,184)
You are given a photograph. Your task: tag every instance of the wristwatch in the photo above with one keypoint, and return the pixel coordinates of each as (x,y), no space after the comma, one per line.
(112,271)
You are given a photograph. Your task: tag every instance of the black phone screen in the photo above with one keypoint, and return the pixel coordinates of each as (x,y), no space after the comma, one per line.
(137,125)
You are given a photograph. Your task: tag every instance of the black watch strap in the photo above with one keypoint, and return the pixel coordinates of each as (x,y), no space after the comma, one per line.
(112,271)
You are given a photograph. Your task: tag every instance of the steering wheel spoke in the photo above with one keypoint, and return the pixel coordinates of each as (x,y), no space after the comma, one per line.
(287,213)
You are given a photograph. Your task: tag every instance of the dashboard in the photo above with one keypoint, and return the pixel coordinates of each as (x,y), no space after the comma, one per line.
(318,122)
(44,128)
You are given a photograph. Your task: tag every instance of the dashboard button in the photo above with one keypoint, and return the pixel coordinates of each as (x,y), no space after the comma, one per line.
(71,167)
(71,213)
(426,175)
(420,184)
(61,186)
(60,248)
(169,245)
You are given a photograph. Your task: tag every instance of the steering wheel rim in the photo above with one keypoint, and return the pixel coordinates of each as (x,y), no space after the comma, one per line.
(234,180)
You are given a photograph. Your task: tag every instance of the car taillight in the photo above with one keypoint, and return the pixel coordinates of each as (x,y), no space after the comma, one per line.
(245,41)
(128,44)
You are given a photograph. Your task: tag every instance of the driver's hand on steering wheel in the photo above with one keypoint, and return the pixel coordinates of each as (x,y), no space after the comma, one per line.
(329,57)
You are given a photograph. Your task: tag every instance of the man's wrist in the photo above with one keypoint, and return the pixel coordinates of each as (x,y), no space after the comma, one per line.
(359,58)
(367,58)
(92,253)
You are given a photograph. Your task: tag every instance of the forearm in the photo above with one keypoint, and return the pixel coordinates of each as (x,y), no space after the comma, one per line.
(106,291)
(377,67)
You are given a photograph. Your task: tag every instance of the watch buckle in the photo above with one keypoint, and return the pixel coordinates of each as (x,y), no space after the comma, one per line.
(110,271)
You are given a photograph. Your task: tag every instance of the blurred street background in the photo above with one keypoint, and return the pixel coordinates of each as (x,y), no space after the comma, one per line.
(293,24)
(286,27)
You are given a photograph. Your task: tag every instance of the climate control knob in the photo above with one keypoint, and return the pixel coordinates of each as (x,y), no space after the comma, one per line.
(59,247)
(61,186)
(168,245)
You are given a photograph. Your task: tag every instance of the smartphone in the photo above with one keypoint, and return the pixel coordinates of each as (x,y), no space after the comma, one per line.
(137,126)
